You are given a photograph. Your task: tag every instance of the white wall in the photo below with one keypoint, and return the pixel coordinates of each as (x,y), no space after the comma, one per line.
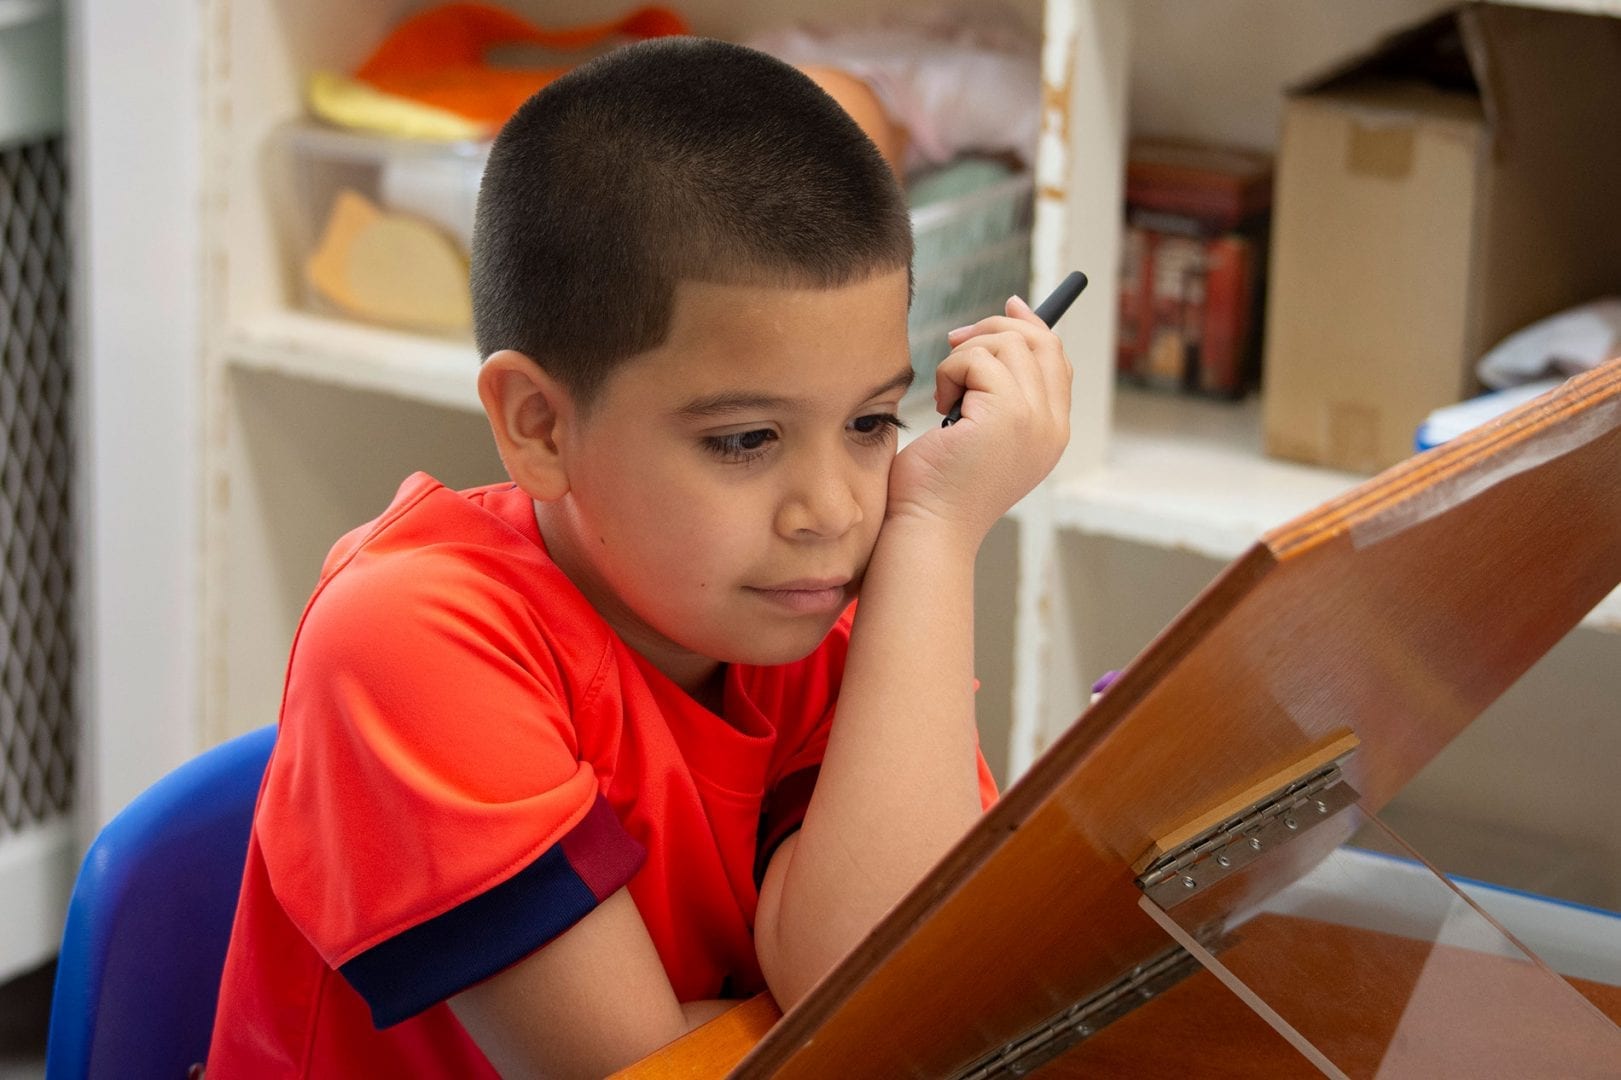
(134,111)
(1214,71)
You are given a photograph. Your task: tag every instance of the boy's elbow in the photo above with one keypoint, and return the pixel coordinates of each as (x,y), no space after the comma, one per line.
(786,981)
(785,961)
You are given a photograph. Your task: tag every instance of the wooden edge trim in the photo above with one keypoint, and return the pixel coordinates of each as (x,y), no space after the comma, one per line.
(1579,393)
(1336,746)
(711,1050)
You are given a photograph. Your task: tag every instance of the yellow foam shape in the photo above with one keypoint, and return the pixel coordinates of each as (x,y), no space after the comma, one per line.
(390,268)
(353,104)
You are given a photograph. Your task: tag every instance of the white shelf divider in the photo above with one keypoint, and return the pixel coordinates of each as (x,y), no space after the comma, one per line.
(1607,616)
(297,345)
(1189,474)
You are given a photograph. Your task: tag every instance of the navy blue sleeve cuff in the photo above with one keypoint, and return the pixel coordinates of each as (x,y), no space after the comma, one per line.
(434,960)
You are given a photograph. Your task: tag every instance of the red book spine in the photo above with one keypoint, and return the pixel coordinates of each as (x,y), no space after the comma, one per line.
(1226,315)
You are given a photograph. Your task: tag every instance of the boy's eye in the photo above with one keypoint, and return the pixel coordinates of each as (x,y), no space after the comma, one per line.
(877,426)
(740,445)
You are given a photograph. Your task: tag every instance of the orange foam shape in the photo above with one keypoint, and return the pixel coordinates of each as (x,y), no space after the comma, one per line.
(437,56)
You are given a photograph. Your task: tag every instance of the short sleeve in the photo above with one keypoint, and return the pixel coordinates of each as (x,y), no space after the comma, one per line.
(426,820)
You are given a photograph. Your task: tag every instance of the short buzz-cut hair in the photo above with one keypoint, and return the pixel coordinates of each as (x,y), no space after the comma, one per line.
(677,159)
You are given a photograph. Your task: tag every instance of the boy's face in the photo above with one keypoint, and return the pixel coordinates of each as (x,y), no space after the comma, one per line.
(726,488)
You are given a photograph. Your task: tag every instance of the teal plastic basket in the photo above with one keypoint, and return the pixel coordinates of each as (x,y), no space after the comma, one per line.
(971,252)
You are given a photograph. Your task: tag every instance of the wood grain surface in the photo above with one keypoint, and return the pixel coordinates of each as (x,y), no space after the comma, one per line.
(1431,1011)
(713,1049)
(1397,612)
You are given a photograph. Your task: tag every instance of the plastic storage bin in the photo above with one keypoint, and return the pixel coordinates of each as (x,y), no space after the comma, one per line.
(377,229)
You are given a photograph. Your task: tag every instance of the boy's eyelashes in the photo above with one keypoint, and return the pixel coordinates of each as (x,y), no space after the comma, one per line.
(739,445)
(878,424)
(743,446)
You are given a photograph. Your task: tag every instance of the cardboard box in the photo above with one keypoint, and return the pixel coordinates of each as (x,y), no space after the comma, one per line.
(1457,182)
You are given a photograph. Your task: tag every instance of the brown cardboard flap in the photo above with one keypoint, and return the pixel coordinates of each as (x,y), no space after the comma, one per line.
(1554,237)
(1530,62)
(1430,53)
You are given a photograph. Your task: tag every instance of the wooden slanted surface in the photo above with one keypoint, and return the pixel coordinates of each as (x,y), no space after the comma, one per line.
(1199,1028)
(1397,612)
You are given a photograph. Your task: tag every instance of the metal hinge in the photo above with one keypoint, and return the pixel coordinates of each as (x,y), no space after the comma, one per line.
(1191,868)
(1024,1055)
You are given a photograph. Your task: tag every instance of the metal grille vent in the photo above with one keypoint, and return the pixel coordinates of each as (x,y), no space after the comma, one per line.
(37,730)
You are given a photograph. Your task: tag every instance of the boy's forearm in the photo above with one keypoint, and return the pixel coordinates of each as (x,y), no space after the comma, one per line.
(899,781)
(698,1013)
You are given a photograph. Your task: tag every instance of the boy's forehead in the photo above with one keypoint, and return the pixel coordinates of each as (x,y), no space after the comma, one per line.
(783,342)
(752,308)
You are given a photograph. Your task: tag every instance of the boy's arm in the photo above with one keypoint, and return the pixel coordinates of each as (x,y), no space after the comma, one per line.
(592,1001)
(899,783)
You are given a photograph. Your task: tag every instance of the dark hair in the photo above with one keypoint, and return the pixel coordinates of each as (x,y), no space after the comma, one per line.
(668,160)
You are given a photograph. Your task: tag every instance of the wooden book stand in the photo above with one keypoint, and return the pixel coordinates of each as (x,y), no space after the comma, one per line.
(1289,702)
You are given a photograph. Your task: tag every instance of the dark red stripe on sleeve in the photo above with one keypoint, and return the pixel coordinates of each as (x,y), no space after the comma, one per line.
(595,852)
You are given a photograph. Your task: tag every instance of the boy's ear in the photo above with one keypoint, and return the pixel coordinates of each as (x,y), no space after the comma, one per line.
(528,410)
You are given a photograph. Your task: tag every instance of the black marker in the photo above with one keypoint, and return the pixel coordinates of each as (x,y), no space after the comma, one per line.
(1049,312)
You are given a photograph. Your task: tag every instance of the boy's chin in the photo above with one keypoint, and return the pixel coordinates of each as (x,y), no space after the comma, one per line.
(770,650)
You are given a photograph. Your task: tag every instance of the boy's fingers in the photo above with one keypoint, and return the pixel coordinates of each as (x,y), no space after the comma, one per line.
(1058,377)
(1053,372)
(1018,308)
(1033,329)
(1027,348)
(1012,351)
(973,368)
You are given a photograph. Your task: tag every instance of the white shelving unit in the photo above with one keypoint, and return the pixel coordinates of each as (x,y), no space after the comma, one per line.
(311,422)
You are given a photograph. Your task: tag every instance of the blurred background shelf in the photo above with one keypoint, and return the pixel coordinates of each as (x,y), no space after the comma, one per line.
(1189,474)
(359,357)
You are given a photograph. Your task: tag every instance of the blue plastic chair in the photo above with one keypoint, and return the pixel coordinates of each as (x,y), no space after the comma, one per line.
(150,918)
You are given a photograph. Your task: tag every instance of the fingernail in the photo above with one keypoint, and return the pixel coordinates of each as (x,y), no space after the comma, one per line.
(959,330)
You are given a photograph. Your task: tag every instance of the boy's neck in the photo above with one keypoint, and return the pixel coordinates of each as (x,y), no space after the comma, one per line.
(703,678)
(712,693)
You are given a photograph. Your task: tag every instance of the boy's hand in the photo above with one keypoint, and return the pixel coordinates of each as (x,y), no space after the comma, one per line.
(1014,379)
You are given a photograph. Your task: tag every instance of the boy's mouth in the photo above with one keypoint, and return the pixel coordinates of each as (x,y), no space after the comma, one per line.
(807,596)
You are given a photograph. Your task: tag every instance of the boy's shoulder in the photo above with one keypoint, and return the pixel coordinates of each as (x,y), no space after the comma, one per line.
(439,562)
(427,519)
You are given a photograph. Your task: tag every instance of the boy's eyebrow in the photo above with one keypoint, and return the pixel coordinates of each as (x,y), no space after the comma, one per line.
(742,401)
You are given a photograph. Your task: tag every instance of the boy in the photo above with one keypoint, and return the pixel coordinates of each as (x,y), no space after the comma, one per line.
(561,762)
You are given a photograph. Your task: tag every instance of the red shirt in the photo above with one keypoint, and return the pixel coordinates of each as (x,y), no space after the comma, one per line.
(468,761)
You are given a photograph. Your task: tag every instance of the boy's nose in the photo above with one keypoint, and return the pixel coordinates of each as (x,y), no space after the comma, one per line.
(822,504)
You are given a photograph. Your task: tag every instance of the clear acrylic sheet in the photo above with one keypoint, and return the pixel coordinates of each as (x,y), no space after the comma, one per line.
(1404,977)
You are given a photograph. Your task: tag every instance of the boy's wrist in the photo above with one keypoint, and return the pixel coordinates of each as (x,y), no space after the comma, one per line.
(932,536)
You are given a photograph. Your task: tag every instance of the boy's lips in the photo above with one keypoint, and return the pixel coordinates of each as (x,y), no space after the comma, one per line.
(806,596)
